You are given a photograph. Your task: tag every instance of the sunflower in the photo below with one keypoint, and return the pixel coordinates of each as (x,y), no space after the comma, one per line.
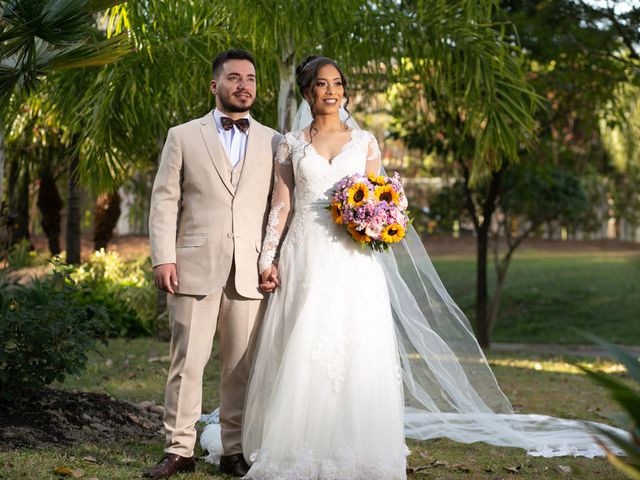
(358,194)
(386,193)
(357,235)
(336,212)
(376,179)
(392,233)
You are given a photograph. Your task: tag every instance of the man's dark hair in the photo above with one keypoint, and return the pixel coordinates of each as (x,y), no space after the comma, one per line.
(234,54)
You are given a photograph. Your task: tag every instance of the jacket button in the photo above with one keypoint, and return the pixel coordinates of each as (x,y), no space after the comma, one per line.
(229,235)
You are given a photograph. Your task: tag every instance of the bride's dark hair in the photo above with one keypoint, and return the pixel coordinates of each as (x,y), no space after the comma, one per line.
(306,77)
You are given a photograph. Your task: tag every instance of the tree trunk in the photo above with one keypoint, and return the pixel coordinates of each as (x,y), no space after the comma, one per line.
(74,213)
(12,193)
(287,105)
(483,320)
(21,230)
(1,163)
(482,291)
(106,217)
(50,206)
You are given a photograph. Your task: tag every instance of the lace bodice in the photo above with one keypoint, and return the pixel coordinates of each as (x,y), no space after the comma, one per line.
(306,179)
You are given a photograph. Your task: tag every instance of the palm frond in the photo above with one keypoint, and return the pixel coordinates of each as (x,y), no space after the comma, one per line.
(91,55)
(629,400)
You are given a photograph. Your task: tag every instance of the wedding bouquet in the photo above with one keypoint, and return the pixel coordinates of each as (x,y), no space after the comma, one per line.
(372,208)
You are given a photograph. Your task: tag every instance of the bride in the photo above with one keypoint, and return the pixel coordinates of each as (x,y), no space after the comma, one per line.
(358,349)
(325,396)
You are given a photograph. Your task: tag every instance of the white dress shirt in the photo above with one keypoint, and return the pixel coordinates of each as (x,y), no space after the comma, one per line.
(233,140)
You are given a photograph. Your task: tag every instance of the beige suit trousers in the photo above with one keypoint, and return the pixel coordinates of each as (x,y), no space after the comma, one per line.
(193,324)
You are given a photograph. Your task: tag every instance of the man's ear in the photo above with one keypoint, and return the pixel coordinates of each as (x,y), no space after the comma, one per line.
(213,86)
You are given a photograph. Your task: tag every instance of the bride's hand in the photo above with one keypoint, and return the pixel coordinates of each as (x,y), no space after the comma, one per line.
(269,280)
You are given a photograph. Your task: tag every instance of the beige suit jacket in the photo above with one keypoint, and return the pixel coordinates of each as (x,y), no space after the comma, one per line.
(206,215)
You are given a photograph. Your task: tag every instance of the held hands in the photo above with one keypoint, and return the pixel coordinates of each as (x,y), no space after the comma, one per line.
(165,277)
(269,280)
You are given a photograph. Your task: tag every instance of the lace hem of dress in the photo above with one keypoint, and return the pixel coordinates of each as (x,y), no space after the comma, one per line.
(566,450)
(302,464)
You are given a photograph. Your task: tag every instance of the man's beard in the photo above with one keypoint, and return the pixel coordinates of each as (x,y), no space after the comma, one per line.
(230,107)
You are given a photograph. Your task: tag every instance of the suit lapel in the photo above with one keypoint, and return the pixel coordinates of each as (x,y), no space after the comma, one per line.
(215,149)
(252,155)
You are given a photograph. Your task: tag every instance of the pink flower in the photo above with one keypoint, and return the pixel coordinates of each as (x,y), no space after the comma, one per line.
(375,226)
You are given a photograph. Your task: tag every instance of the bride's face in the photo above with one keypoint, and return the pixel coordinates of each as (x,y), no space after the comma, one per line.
(327,92)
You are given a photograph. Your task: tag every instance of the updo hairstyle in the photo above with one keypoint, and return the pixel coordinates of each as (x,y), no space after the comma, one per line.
(307,76)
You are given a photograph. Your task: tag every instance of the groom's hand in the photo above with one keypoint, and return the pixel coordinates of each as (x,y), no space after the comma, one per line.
(165,277)
(269,280)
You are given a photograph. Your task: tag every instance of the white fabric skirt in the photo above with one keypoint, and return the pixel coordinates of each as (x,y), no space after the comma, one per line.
(325,396)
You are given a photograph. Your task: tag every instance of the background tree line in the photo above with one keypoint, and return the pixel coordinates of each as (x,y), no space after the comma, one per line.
(522,115)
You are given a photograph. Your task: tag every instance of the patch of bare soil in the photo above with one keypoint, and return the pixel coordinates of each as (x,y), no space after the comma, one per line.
(128,246)
(56,418)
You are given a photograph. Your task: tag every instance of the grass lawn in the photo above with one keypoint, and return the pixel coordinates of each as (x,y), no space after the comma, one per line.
(546,294)
(136,369)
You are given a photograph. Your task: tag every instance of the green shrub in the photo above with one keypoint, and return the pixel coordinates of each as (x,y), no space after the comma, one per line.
(22,255)
(124,288)
(45,334)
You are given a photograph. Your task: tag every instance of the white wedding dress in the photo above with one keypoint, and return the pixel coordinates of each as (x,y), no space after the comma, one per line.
(325,397)
(359,350)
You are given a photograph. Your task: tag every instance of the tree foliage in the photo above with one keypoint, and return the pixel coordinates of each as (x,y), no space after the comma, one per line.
(133,102)
(40,36)
(577,58)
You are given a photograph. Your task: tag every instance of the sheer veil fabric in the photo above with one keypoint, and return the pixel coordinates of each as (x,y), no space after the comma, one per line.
(449,388)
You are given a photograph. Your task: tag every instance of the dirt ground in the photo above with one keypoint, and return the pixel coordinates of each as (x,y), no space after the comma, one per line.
(55,418)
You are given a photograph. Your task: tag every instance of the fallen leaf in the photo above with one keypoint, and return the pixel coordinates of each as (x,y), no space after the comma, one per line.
(63,471)
(563,468)
(461,468)
(164,358)
(513,469)
(90,459)
(596,412)
(434,464)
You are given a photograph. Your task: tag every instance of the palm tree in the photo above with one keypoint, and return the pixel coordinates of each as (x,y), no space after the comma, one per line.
(38,37)
(127,111)
(35,143)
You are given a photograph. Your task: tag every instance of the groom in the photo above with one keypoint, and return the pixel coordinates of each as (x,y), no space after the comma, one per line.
(208,211)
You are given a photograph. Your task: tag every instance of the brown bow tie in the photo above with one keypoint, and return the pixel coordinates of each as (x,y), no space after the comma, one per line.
(241,123)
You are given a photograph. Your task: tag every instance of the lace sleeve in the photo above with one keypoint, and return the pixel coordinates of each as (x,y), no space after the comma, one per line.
(280,205)
(374,158)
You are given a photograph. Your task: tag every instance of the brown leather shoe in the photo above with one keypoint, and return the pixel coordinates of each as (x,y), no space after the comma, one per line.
(234,465)
(170,464)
